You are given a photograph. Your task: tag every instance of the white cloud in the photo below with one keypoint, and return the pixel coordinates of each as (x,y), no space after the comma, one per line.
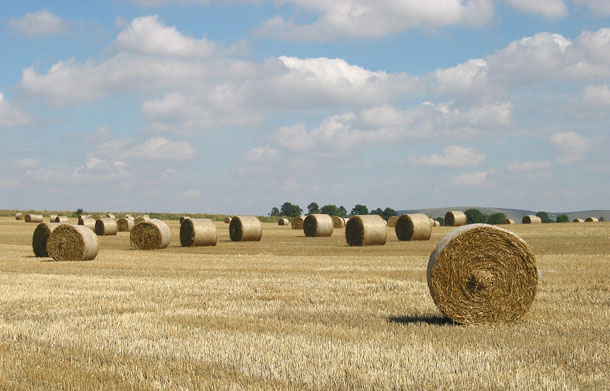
(598,8)
(453,156)
(463,77)
(571,146)
(551,9)
(529,166)
(97,170)
(27,163)
(474,179)
(160,148)
(43,22)
(598,95)
(261,154)
(9,116)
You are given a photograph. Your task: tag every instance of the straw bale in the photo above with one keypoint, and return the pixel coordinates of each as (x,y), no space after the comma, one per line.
(52,218)
(227,220)
(392,221)
(437,223)
(531,219)
(245,229)
(455,218)
(125,224)
(508,221)
(40,238)
(297,222)
(61,219)
(150,234)
(183,218)
(591,219)
(140,219)
(32,218)
(283,221)
(338,222)
(578,221)
(197,232)
(88,222)
(413,227)
(366,230)
(110,216)
(19,216)
(106,226)
(318,225)
(72,243)
(482,274)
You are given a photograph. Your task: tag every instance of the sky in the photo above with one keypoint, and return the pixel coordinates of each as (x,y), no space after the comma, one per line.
(237,106)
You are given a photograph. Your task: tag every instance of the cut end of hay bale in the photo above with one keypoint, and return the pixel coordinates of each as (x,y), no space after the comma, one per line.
(591,220)
(227,220)
(40,238)
(245,229)
(482,274)
(283,221)
(151,234)
(198,232)
(366,230)
(88,222)
(141,218)
(72,243)
(578,221)
(297,222)
(183,218)
(413,227)
(106,227)
(125,224)
(455,218)
(19,216)
(392,221)
(531,219)
(318,225)
(508,221)
(338,222)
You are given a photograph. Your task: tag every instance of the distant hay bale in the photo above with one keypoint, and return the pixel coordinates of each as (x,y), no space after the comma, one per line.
(19,216)
(88,222)
(32,218)
(61,219)
(392,221)
(245,229)
(283,221)
(531,219)
(437,223)
(141,218)
(40,238)
(72,243)
(482,274)
(183,218)
(413,227)
(508,221)
(455,218)
(129,217)
(318,225)
(297,222)
(578,221)
(52,218)
(338,222)
(198,232)
(106,226)
(366,230)
(227,220)
(125,224)
(150,234)
(591,219)
(110,216)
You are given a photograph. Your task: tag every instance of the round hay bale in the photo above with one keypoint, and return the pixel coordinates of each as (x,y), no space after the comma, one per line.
(150,234)
(197,232)
(283,221)
(72,243)
(129,217)
(106,226)
(531,219)
(32,218)
(366,230)
(437,223)
(227,220)
(297,222)
(392,221)
(110,216)
(183,218)
(482,274)
(88,222)
(318,225)
(455,218)
(19,216)
(40,238)
(140,219)
(125,224)
(413,227)
(338,222)
(508,221)
(591,219)
(61,219)
(245,229)
(52,218)
(578,221)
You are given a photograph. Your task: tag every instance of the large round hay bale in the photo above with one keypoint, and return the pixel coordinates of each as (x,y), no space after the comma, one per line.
(198,232)
(591,219)
(32,218)
(482,274)
(245,229)
(578,221)
(19,216)
(413,227)
(297,222)
(40,238)
(508,221)
(106,226)
(61,219)
(227,220)
(52,218)
(150,234)
(318,225)
(283,221)
(141,218)
(125,224)
(455,218)
(392,221)
(366,230)
(88,222)
(72,243)
(531,219)
(338,222)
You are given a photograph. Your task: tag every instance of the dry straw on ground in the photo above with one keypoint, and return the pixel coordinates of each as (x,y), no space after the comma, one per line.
(32,218)
(106,226)
(366,230)
(141,218)
(592,219)
(19,216)
(531,219)
(61,219)
(245,229)
(318,225)
(197,232)
(392,221)
(151,234)
(297,222)
(40,238)
(283,221)
(338,222)
(578,221)
(508,221)
(455,218)
(125,224)
(72,243)
(482,274)
(87,221)
(413,227)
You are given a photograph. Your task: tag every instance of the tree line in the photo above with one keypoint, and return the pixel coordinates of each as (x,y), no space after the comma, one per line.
(289,209)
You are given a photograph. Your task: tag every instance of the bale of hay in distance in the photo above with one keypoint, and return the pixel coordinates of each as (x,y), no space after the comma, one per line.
(227,220)
(18,216)
(110,216)
(88,222)
(413,227)
(40,238)
(151,234)
(141,218)
(455,218)
(61,219)
(437,223)
(366,230)
(106,226)
(198,232)
(591,219)
(338,222)
(72,243)
(318,225)
(125,224)
(578,221)
(482,274)
(32,218)
(508,221)
(52,218)
(283,221)
(245,229)
(297,222)
(531,219)
(392,221)
(183,218)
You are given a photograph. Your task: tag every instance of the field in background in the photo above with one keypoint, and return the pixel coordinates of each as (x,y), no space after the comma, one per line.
(292,312)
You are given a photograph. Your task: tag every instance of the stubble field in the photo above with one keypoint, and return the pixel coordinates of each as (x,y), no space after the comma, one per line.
(294,313)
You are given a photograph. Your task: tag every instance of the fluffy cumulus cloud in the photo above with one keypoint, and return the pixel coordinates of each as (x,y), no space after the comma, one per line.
(598,95)
(597,7)
(452,156)
(39,23)
(571,146)
(551,9)
(96,169)
(10,116)
(160,148)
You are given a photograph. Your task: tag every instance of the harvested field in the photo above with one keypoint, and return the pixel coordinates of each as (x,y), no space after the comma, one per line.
(293,313)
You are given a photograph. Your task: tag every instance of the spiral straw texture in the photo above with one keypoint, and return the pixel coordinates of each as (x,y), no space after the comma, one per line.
(72,243)
(40,238)
(151,234)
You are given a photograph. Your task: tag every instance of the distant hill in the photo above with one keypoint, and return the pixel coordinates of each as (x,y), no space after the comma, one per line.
(516,214)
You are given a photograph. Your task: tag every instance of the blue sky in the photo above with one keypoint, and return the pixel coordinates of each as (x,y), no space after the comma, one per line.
(238,106)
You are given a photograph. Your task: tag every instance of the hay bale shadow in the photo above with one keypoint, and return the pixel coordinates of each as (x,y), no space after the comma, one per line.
(435,320)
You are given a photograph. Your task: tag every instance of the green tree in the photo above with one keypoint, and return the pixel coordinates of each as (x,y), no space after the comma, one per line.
(342,211)
(313,208)
(441,220)
(388,212)
(475,216)
(330,210)
(377,211)
(602,218)
(274,211)
(544,216)
(290,210)
(496,218)
(359,210)
(562,219)
(79,211)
